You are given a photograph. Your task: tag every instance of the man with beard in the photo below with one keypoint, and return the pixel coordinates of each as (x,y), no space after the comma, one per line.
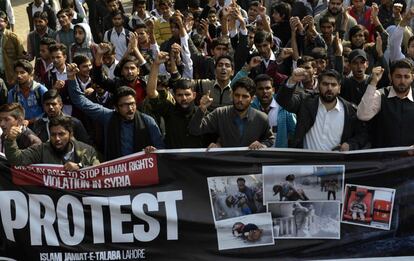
(126,130)
(282,122)
(219,89)
(12,116)
(354,86)
(392,108)
(52,106)
(128,74)
(237,125)
(325,121)
(343,21)
(61,149)
(176,111)
(42,30)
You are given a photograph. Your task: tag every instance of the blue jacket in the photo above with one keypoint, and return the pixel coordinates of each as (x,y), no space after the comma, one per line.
(32,104)
(286,123)
(103,115)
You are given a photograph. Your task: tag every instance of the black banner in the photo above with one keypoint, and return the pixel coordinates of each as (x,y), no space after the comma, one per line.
(115,213)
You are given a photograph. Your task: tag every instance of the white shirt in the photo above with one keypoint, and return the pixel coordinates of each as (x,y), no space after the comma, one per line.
(10,12)
(272,115)
(110,70)
(119,42)
(272,58)
(37,9)
(326,132)
(62,76)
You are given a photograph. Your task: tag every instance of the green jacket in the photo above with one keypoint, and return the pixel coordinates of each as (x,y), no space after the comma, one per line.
(44,153)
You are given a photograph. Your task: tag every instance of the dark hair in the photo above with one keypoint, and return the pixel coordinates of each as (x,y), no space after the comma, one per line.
(141,26)
(401,64)
(116,13)
(327,19)
(65,11)
(122,92)
(263,78)
(230,58)
(329,73)
(357,28)
(194,4)
(58,47)
(51,95)
(410,40)
(138,2)
(253,3)
(25,64)
(41,15)
(67,4)
(16,110)
(164,2)
(262,36)
(47,41)
(80,59)
(183,84)
(245,83)
(241,179)
(64,121)
(305,59)
(219,41)
(284,10)
(128,59)
(319,53)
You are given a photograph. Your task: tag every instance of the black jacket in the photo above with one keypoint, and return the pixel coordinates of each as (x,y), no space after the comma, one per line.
(51,17)
(305,106)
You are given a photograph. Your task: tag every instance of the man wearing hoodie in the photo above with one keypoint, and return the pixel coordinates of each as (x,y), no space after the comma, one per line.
(83,44)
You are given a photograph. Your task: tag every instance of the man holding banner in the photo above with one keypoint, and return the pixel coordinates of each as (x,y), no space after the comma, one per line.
(61,148)
(237,125)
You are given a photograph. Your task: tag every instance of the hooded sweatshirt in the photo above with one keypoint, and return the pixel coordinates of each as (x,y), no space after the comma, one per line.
(87,47)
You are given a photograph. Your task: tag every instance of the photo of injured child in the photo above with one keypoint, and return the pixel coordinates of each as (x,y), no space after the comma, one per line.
(234,196)
(308,220)
(368,206)
(303,183)
(246,231)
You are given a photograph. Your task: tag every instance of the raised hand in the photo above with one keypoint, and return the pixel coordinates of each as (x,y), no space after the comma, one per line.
(254,62)
(59,84)
(162,57)
(103,48)
(298,75)
(205,101)
(285,53)
(378,45)
(71,70)
(376,75)
(338,45)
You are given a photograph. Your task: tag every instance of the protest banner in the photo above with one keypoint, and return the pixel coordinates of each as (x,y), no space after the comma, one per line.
(175,205)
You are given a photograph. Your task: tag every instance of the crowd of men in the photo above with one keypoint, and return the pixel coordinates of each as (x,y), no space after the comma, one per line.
(95,83)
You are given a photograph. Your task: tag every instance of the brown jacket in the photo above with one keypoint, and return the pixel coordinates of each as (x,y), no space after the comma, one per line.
(13,50)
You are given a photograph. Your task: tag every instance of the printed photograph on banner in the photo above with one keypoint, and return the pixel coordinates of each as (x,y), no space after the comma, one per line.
(368,206)
(306,220)
(234,196)
(303,183)
(245,231)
